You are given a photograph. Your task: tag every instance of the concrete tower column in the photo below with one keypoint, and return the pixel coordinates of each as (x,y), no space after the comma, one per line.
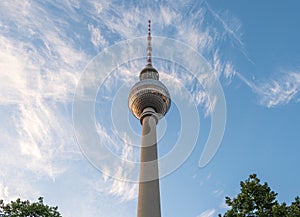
(149,195)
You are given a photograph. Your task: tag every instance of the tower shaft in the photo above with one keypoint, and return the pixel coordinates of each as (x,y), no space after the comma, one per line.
(149,194)
(149,100)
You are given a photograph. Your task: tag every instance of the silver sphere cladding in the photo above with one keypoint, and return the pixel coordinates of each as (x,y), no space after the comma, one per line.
(149,93)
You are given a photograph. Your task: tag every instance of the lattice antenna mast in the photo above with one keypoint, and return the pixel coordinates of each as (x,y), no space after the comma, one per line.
(149,48)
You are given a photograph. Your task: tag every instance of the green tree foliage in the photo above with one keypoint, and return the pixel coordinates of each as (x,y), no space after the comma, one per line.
(25,208)
(258,200)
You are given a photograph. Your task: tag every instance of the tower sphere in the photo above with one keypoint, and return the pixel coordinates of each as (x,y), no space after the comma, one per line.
(149,92)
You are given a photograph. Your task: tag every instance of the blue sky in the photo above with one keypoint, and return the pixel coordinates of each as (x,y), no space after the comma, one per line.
(47,48)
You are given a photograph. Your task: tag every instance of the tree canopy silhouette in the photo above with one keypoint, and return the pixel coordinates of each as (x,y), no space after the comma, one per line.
(258,200)
(25,208)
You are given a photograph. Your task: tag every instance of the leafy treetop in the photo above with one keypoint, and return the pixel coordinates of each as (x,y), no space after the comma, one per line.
(25,208)
(258,200)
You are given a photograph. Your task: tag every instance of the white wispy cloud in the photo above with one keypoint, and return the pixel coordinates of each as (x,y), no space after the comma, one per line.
(272,92)
(39,71)
(280,91)
(230,24)
(207,213)
(221,67)
(218,192)
(13,184)
(97,38)
(124,190)
(276,91)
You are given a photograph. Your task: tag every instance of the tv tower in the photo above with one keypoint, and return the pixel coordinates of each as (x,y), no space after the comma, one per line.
(149,100)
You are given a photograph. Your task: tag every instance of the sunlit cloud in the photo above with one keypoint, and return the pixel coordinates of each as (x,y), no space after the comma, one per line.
(39,71)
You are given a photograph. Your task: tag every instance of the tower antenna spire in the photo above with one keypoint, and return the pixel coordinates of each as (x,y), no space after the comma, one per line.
(149,48)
